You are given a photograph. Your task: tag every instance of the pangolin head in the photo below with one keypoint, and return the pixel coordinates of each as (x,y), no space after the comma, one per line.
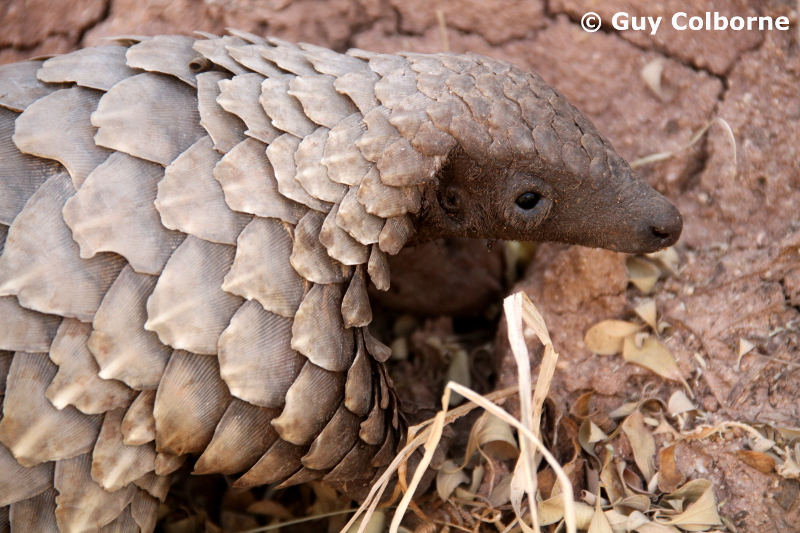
(528,165)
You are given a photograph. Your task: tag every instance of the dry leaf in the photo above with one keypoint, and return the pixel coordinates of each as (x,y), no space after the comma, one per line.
(606,337)
(651,75)
(789,433)
(654,356)
(611,481)
(759,443)
(638,502)
(642,442)
(616,520)
(599,523)
(458,371)
(669,475)
(448,478)
(376,524)
(655,527)
(500,493)
(586,438)
(552,511)
(647,312)
(702,512)
(580,408)
(477,478)
(758,460)
(667,258)
(745,347)
(679,403)
(497,440)
(790,469)
(642,273)
(595,433)
(636,519)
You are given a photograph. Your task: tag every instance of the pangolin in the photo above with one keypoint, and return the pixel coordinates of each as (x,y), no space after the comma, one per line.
(188,228)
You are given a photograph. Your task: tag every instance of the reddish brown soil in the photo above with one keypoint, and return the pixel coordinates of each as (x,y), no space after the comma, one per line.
(740,253)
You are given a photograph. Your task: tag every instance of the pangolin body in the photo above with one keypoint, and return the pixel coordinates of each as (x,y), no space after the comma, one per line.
(188,228)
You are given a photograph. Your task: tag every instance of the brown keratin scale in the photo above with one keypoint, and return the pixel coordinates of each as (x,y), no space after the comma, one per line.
(188,228)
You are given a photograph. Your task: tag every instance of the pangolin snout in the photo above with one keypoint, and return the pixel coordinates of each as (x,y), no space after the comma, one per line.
(662,228)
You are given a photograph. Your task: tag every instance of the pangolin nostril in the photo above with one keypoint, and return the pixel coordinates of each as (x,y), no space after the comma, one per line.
(659,234)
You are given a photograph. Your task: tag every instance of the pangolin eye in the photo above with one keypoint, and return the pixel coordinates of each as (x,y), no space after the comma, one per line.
(528,200)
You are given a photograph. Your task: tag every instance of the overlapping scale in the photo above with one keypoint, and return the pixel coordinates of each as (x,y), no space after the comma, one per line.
(250,56)
(114,463)
(358,386)
(352,217)
(82,503)
(121,345)
(144,511)
(59,127)
(311,173)
(287,56)
(340,245)
(20,483)
(240,96)
(315,386)
(334,441)
(77,382)
(150,115)
(225,129)
(20,174)
(25,330)
(168,54)
(378,268)
(395,234)
(321,103)
(35,514)
(188,308)
(342,158)
(190,402)
(356,310)
(31,428)
(261,270)
(387,201)
(359,85)
(318,331)
(139,425)
(280,461)
(284,109)
(242,437)
(19,86)
(327,61)
(190,199)
(155,484)
(310,257)
(99,67)
(256,358)
(113,212)
(215,50)
(281,156)
(250,185)
(41,263)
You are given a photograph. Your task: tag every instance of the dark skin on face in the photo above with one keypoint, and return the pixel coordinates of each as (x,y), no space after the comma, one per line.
(528,201)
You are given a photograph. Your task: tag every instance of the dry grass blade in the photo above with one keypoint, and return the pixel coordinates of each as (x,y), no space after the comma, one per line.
(518,309)
(653,158)
(524,481)
(417,436)
(566,485)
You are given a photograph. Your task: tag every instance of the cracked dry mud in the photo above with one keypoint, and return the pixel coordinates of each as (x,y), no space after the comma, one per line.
(739,274)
